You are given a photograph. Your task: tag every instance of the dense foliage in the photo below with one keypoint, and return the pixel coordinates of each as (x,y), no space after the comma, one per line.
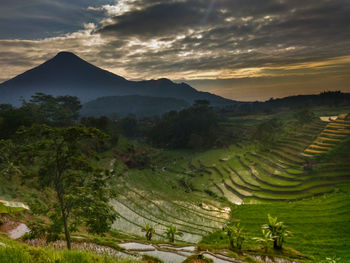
(267,132)
(63,159)
(24,254)
(340,154)
(326,98)
(194,127)
(61,111)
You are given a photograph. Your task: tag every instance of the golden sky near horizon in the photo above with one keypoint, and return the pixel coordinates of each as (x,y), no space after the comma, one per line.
(239,49)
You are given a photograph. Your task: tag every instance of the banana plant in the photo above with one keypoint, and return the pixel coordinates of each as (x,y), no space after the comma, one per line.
(278,231)
(171,232)
(150,231)
(235,235)
(331,260)
(265,239)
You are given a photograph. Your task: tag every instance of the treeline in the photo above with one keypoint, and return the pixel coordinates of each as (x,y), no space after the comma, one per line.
(61,111)
(195,127)
(269,132)
(44,147)
(326,98)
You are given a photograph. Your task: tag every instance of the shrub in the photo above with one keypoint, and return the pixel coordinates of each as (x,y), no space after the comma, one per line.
(150,259)
(277,230)
(198,258)
(265,239)
(25,254)
(235,235)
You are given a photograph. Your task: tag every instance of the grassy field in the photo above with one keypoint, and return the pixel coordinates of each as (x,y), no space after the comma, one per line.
(15,252)
(320,226)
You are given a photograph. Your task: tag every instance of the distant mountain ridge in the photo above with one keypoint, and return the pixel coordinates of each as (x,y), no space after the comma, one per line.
(140,106)
(68,74)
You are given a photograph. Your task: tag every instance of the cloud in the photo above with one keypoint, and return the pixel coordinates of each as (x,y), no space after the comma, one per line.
(189,40)
(214,35)
(37,19)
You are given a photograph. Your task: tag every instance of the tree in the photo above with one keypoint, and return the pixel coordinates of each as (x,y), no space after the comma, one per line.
(129,126)
(41,109)
(63,163)
(201,103)
(54,111)
(104,124)
(12,118)
(268,132)
(171,232)
(150,231)
(9,166)
(265,239)
(304,115)
(195,127)
(235,235)
(277,230)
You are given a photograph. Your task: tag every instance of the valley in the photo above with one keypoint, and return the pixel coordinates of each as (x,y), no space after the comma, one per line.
(200,191)
(179,131)
(243,183)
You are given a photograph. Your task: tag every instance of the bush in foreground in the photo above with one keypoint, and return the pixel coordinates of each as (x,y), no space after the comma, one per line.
(198,258)
(23,254)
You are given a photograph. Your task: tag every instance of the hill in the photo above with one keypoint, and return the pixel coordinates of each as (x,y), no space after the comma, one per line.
(326,98)
(140,106)
(200,191)
(67,74)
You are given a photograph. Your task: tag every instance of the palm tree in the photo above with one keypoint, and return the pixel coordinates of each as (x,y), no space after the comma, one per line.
(265,239)
(150,230)
(278,231)
(171,232)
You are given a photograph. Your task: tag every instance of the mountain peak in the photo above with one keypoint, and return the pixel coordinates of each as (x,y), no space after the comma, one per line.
(66,57)
(65,54)
(68,74)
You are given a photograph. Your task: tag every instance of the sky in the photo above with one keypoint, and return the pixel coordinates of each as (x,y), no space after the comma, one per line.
(240,49)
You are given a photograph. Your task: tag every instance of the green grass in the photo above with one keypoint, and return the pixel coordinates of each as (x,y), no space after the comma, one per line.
(14,252)
(320,225)
(266,175)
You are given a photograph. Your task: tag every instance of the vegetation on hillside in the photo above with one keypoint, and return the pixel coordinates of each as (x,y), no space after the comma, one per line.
(188,172)
(63,158)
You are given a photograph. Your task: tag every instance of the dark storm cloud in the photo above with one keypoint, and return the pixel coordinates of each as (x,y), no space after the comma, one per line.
(154,18)
(296,30)
(189,40)
(24,19)
(160,18)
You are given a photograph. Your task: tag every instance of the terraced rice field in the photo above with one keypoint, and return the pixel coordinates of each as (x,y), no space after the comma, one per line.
(241,174)
(336,130)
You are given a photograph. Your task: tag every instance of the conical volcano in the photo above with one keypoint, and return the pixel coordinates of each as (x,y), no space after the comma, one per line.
(68,74)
